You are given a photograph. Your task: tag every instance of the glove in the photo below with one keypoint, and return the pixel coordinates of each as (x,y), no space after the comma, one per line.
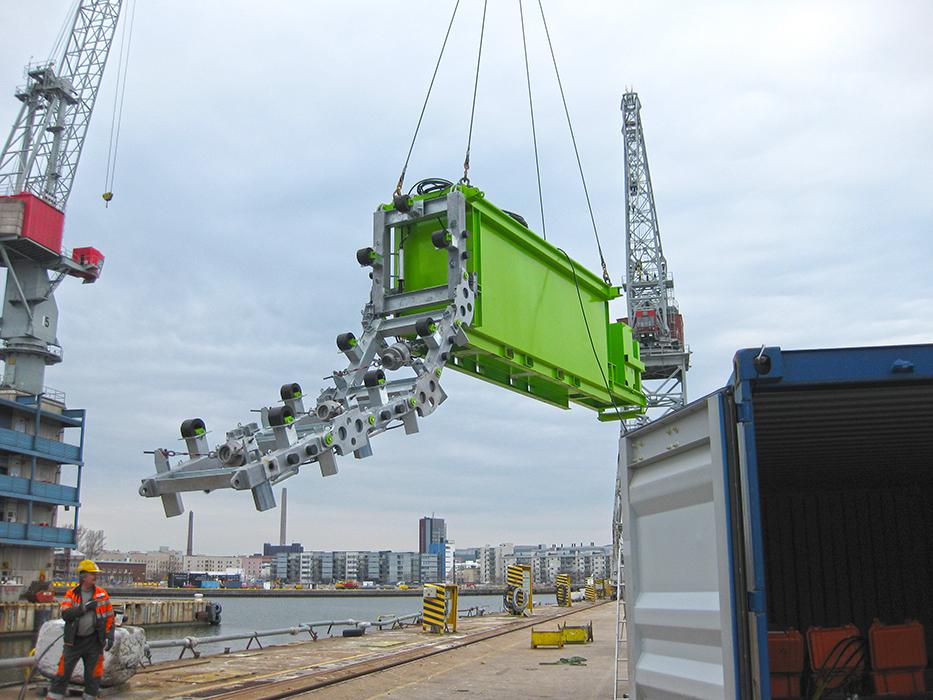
(89,606)
(109,645)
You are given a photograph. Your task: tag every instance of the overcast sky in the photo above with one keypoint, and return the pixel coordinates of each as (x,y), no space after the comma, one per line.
(791,152)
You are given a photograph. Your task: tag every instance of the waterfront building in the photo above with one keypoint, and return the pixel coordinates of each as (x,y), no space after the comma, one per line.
(40,480)
(210,562)
(432,539)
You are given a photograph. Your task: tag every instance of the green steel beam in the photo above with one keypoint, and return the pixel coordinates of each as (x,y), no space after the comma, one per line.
(529,332)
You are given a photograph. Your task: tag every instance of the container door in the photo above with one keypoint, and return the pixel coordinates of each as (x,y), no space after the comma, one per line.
(678,542)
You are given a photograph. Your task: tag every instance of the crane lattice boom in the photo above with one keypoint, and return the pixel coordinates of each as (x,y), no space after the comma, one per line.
(42,152)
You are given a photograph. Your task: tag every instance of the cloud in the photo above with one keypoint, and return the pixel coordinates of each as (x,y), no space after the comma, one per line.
(789,149)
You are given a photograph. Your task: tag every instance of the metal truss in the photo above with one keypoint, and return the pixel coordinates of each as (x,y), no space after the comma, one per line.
(42,152)
(392,379)
(649,289)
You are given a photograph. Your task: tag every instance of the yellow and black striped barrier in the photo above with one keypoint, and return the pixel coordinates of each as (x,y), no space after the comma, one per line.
(590,591)
(439,608)
(518,589)
(562,582)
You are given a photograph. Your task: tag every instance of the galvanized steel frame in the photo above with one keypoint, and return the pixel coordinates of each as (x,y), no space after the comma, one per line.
(359,405)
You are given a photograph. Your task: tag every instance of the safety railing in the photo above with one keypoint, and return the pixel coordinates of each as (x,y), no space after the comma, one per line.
(192,643)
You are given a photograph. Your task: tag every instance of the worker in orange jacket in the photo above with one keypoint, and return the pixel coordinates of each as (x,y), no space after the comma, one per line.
(88,616)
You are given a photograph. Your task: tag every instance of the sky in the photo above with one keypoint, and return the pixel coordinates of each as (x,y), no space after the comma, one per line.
(790,150)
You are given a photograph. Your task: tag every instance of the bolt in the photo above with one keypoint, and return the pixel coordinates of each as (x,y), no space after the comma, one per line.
(372,420)
(329,439)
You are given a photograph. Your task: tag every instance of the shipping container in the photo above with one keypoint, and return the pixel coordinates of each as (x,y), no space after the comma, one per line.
(798,497)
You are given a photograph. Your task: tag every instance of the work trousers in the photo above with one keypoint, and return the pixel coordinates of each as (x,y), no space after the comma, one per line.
(89,650)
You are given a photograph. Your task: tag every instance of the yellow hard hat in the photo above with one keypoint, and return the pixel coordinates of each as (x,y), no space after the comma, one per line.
(87,566)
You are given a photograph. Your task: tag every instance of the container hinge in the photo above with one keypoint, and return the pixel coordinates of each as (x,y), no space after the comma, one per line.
(756,601)
(744,412)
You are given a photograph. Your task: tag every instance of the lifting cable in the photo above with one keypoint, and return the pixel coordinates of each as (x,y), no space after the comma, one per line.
(602,259)
(465,180)
(401,177)
(531,107)
(119,96)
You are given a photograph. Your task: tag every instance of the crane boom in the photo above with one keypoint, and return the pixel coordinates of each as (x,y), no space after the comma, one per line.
(44,146)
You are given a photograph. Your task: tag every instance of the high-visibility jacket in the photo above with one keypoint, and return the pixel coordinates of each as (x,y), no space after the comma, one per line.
(103,614)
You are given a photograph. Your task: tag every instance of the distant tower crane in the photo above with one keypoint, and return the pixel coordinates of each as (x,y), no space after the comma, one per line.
(653,312)
(37,170)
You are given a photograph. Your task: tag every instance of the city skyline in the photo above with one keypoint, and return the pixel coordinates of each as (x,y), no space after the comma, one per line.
(751,239)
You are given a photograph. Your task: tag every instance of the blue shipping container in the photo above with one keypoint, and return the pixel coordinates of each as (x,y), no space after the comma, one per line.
(800,495)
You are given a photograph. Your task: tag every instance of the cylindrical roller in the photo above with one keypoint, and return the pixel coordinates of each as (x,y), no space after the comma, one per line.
(193,427)
(290,391)
(425,326)
(374,378)
(346,341)
(441,239)
(366,257)
(281,415)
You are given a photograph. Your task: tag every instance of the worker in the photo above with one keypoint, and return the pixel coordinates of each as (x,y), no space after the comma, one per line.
(88,615)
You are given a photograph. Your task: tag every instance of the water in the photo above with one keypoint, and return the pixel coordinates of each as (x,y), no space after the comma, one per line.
(249,614)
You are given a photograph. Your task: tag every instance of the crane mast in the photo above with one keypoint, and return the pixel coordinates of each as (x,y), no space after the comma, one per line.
(653,313)
(37,171)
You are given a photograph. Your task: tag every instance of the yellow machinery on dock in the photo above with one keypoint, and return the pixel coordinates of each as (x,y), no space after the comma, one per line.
(439,608)
(518,590)
(563,591)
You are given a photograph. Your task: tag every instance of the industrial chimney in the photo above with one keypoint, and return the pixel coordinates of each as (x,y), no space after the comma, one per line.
(190,533)
(284,516)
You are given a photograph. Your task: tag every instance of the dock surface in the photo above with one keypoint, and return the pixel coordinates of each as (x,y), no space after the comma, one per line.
(489,657)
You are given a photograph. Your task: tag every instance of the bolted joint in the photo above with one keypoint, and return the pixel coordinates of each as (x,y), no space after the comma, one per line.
(346,342)
(232,453)
(396,356)
(193,427)
(290,391)
(374,378)
(328,409)
(281,416)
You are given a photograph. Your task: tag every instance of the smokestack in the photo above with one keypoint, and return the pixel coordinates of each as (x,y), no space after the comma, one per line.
(190,533)
(284,516)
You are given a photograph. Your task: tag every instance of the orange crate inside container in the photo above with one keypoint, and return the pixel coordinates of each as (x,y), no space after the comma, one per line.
(898,657)
(837,655)
(786,659)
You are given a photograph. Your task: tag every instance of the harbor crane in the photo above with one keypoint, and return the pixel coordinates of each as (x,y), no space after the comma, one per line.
(37,171)
(653,312)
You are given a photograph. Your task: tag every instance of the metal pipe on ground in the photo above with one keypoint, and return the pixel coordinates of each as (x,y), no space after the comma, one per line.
(193,642)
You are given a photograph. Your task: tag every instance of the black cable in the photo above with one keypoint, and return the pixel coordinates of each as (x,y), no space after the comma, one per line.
(465,180)
(586,325)
(401,177)
(602,259)
(430,184)
(531,107)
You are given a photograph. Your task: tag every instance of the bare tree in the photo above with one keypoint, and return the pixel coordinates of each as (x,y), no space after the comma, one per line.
(91,542)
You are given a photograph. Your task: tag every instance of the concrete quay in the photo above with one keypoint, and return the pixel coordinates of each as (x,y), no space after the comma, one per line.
(489,657)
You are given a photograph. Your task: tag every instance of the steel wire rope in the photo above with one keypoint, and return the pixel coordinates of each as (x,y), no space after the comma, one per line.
(586,324)
(576,151)
(424,106)
(465,180)
(63,32)
(126,42)
(531,108)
